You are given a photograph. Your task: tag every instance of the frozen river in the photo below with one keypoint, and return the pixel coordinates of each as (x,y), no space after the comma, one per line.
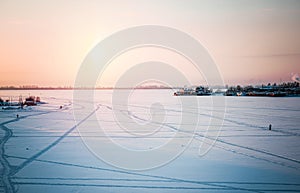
(150,142)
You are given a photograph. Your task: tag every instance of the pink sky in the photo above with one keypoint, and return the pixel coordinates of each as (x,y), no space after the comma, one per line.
(44,42)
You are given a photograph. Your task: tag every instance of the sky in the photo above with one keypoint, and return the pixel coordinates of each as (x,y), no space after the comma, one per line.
(44,42)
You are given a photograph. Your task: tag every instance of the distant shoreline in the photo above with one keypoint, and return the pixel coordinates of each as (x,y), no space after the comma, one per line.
(82,88)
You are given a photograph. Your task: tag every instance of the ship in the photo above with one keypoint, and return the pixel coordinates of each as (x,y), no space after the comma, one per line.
(198,91)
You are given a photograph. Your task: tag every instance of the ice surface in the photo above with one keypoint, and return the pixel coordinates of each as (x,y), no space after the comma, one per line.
(47,153)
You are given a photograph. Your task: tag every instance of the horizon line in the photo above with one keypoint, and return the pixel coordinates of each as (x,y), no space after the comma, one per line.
(36,87)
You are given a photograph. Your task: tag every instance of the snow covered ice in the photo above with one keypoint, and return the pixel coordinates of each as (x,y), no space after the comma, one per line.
(44,151)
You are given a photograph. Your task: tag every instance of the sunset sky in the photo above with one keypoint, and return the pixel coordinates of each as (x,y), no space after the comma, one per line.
(44,42)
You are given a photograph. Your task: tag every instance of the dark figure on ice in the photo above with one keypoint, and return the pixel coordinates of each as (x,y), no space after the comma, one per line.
(270,127)
(60,107)
(17,115)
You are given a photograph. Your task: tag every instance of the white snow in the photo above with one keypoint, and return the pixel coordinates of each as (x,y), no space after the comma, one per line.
(47,153)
